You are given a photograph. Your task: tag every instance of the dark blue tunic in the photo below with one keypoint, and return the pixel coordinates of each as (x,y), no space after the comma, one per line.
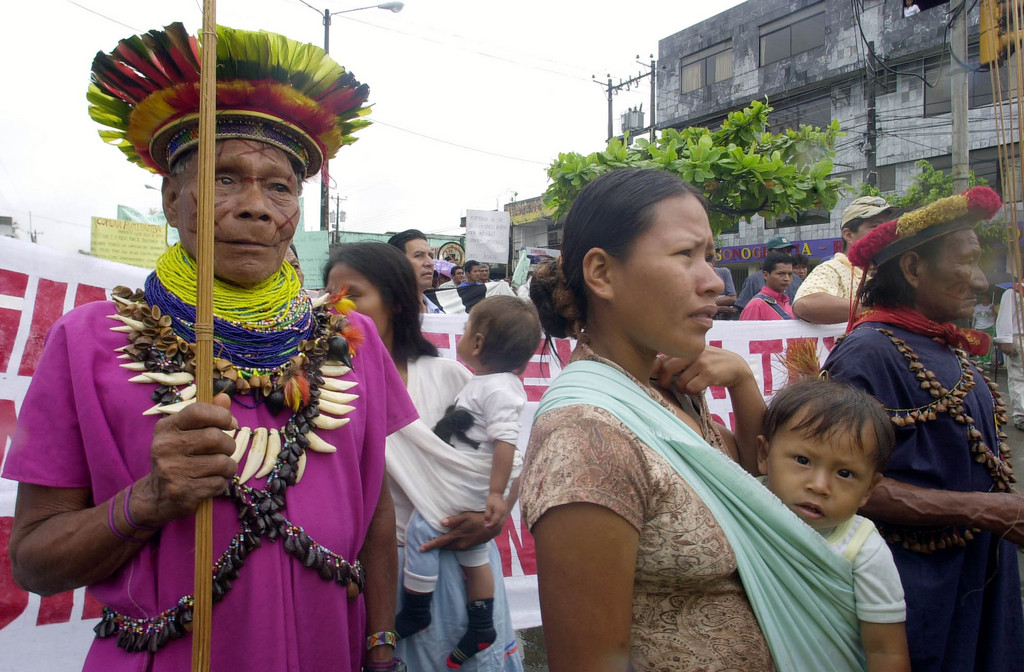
(963,604)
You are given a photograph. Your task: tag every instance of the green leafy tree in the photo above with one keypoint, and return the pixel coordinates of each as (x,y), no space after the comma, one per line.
(931,185)
(743,168)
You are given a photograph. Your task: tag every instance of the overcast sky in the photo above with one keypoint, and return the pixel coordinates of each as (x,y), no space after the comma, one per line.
(472,100)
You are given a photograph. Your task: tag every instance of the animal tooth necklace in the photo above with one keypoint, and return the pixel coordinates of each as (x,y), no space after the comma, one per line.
(308,383)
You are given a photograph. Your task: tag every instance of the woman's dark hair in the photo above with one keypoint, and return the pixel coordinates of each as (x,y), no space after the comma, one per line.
(610,213)
(387,269)
(511,332)
(829,409)
(801,260)
(887,288)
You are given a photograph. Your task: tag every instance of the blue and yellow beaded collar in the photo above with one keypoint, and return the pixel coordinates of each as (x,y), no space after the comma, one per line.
(259,328)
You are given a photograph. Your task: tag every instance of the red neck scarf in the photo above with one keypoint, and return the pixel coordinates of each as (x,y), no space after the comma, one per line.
(973,341)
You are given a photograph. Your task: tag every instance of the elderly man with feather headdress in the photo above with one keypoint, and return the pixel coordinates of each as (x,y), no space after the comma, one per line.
(947,505)
(113,454)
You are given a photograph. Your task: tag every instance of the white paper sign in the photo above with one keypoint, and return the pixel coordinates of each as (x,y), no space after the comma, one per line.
(487,236)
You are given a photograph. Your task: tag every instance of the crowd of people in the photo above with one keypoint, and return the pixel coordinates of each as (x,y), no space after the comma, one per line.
(866,519)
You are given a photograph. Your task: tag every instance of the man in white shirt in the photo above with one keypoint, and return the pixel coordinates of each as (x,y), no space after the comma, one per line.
(824,296)
(1008,338)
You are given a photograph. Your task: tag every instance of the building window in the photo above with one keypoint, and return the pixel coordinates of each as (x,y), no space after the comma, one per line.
(885,178)
(806,33)
(938,98)
(806,112)
(885,80)
(706,67)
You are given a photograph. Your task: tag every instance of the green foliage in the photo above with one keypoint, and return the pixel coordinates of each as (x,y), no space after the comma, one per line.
(931,185)
(928,185)
(742,168)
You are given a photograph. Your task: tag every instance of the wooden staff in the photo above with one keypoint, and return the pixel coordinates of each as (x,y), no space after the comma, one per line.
(203,607)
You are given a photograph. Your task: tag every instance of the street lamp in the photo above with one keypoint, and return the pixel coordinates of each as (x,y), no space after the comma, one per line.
(394,7)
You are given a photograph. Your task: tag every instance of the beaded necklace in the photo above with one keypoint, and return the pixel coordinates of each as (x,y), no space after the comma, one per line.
(257,330)
(167,360)
(950,401)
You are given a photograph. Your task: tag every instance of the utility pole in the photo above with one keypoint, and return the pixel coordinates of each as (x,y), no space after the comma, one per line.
(654,99)
(871,138)
(337,219)
(325,178)
(628,84)
(958,97)
(611,91)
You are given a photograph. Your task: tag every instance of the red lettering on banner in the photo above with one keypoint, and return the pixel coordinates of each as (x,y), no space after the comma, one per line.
(732,421)
(536,370)
(440,341)
(49,306)
(766,349)
(535,392)
(93,608)
(509,537)
(88,294)
(13,599)
(829,342)
(717,391)
(12,285)
(8,419)
(56,608)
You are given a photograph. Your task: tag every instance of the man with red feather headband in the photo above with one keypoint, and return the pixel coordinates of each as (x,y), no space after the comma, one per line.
(947,505)
(113,454)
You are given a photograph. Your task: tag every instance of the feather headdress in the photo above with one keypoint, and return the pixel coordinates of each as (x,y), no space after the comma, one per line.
(269,88)
(890,240)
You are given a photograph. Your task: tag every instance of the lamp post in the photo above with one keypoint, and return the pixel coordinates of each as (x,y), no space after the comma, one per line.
(394,7)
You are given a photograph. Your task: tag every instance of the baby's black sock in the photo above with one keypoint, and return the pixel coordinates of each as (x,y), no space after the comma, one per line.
(479,635)
(415,614)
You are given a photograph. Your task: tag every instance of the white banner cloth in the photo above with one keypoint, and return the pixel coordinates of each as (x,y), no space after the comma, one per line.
(38,284)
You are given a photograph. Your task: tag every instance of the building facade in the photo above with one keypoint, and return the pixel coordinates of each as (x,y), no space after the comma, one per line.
(884,77)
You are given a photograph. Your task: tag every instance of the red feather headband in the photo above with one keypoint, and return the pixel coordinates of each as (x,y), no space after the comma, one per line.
(890,240)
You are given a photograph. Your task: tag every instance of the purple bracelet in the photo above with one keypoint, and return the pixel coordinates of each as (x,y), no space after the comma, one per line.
(127,516)
(113,528)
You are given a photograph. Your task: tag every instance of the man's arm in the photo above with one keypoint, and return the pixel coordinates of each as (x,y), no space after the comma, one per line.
(1000,513)
(61,539)
(822,308)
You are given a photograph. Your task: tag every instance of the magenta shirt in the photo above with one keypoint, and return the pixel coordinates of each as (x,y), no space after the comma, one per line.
(81,426)
(759,310)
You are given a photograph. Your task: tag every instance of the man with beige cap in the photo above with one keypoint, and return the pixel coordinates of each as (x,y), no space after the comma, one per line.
(824,296)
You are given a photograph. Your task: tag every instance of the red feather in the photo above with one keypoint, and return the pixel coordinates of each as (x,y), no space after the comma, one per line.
(867,247)
(983,202)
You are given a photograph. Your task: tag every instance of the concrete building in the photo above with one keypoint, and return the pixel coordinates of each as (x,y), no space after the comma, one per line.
(812,60)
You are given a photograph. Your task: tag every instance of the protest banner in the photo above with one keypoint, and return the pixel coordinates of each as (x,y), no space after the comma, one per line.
(38,284)
(487,236)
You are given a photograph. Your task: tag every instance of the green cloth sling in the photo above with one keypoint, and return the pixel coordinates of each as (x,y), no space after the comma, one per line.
(800,589)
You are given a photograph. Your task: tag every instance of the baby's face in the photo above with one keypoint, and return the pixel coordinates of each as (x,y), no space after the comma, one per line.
(822,481)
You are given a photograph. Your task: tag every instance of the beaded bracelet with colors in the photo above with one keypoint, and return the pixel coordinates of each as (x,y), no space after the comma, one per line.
(113,527)
(127,516)
(382,638)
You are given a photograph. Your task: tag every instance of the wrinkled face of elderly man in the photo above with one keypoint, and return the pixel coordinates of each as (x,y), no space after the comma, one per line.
(256,209)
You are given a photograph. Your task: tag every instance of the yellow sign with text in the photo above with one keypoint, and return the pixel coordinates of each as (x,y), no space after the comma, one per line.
(128,242)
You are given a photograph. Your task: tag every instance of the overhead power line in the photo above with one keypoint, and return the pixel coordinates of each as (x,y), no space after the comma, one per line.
(455,144)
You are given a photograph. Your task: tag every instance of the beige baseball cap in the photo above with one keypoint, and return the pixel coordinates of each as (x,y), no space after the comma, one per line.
(866,207)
